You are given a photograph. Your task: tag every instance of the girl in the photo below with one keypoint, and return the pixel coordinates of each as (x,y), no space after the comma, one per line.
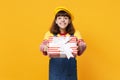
(63,68)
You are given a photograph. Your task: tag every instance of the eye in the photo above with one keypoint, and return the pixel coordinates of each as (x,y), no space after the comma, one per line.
(66,18)
(59,17)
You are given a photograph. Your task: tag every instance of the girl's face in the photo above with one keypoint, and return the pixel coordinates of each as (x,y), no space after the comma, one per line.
(62,21)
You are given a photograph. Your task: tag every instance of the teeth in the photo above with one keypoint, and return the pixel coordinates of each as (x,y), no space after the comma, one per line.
(62,23)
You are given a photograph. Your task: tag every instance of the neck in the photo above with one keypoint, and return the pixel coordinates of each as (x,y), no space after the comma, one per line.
(62,31)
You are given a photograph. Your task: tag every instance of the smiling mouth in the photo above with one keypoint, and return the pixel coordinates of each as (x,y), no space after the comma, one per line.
(62,23)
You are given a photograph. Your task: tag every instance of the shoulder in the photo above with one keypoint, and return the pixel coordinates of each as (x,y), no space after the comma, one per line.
(47,35)
(48,32)
(77,34)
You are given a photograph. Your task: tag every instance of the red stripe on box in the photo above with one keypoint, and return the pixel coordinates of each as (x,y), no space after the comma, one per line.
(59,51)
(53,51)
(53,47)
(68,42)
(70,39)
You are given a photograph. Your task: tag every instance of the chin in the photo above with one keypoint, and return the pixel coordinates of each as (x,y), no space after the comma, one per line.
(62,27)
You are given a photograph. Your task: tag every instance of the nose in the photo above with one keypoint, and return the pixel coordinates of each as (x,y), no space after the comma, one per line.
(63,20)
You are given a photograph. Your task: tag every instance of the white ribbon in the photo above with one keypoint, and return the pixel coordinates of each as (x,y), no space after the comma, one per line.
(62,42)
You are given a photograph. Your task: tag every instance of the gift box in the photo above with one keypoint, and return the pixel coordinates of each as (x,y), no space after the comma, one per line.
(62,46)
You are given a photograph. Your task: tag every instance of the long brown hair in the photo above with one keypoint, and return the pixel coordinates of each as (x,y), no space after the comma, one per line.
(55,28)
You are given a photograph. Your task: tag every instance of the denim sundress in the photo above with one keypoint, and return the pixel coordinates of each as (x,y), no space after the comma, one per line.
(62,69)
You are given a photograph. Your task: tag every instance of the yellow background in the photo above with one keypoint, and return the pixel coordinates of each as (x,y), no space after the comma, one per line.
(24,22)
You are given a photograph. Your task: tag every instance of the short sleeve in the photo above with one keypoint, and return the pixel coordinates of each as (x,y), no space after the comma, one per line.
(80,42)
(47,35)
(78,35)
(45,42)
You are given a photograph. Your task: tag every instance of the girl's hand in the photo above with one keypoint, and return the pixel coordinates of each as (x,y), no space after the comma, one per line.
(44,47)
(81,46)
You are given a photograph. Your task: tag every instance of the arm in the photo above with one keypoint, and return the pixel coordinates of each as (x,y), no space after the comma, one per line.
(44,46)
(81,46)
(80,42)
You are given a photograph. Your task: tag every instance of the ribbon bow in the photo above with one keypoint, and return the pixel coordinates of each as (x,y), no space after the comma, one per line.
(64,46)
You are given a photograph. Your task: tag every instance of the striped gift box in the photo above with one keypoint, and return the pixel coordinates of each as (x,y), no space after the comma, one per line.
(53,50)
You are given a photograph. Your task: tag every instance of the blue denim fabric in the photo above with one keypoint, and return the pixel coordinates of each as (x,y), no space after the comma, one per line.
(62,69)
